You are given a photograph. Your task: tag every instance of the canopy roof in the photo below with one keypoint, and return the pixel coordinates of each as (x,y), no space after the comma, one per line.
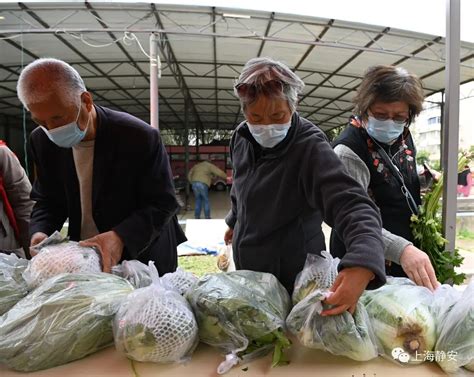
(202,51)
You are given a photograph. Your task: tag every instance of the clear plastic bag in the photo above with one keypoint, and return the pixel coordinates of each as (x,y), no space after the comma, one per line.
(455,344)
(156,324)
(12,285)
(179,280)
(319,272)
(402,320)
(66,318)
(242,313)
(58,258)
(136,272)
(344,334)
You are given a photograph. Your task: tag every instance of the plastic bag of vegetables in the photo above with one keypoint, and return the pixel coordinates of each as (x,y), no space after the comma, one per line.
(242,313)
(66,318)
(344,334)
(12,285)
(64,257)
(156,324)
(456,336)
(319,272)
(180,280)
(136,272)
(401,318)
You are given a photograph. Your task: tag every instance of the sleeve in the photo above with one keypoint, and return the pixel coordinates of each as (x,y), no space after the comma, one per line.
(50,208)
(218,172)
(158,202)
(346,207)
(393,244)
(231,217)
(18,188)
(190,175)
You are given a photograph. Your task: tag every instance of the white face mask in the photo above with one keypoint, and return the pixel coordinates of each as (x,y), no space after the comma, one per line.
(384,131)
(69,135)
(269,135)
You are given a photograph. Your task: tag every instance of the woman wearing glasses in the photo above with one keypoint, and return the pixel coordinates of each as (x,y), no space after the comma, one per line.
(378,151)
(286,180)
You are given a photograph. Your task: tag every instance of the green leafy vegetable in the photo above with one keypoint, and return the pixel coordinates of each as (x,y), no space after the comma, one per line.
(242,312)
(427,230)
(66,318)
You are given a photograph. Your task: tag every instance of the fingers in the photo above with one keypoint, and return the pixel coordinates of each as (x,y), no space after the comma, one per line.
(336,310)
(432,276)
(106,259)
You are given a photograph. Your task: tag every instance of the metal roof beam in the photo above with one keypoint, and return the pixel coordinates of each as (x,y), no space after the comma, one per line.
(170,57)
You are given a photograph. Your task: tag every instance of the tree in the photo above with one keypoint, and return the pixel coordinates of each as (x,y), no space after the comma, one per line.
(422,157)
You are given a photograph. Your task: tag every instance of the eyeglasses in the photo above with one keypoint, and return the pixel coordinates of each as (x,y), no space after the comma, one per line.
(399,119)
(270,87)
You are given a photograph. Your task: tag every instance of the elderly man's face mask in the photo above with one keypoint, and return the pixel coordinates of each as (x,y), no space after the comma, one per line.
(55,114)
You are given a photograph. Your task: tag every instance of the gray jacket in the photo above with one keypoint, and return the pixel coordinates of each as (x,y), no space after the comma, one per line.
(18,188)
(280,197)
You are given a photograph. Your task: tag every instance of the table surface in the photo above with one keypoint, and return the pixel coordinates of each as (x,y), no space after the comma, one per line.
(204,362)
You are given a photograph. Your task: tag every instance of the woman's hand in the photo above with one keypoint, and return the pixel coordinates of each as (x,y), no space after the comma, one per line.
(35,240)
(350,283)
(229,233)
(418,268)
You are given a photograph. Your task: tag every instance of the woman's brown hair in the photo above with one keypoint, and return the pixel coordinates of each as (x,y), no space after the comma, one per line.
(386,83)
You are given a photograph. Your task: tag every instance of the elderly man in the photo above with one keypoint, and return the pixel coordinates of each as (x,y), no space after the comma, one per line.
(105,170)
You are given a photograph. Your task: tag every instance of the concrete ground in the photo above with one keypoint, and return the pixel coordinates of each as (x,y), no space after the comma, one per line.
(220,205)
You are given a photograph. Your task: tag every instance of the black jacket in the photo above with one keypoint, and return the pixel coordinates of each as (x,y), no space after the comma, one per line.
(132,189)
(280,196)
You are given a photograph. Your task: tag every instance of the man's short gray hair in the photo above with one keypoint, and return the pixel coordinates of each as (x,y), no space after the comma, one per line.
(55,76)
(258,71)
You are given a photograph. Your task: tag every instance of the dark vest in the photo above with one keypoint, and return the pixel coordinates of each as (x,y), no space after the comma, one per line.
(384,188)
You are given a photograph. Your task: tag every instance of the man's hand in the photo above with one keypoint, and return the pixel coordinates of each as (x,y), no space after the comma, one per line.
(35,240)
(417,266)
(229,233)
(110,247)
(350,283)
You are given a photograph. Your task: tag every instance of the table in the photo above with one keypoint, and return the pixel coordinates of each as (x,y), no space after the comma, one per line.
(304,362)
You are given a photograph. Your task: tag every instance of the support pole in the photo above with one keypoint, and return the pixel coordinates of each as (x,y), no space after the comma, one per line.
(451,121)
(154,112)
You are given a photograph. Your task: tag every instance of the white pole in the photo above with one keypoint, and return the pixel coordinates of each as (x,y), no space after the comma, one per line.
(451,120)
(154,112)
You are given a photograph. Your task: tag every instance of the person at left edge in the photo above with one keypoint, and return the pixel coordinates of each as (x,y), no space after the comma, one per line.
(107,171)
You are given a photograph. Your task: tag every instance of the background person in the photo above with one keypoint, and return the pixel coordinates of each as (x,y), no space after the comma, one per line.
(15,204)
(201,176)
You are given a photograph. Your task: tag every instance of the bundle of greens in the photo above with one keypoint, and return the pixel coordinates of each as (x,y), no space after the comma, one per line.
(155,324)
(66,318)
(456,335)
(401,318)
(427,231)
(12,285)
(242,313)
(345,334)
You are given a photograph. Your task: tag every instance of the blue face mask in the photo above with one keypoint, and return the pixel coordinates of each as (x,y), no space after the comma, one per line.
(384,131)
(67,136)
(269,135)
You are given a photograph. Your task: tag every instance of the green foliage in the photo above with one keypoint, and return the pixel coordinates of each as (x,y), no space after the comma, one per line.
(427,230)
(199,265)
(422,157)
(465,234)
